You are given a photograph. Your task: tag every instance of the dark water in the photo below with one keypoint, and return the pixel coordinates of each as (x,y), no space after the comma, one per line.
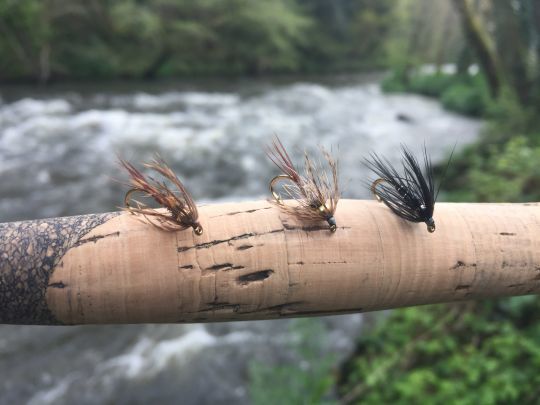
(57,157)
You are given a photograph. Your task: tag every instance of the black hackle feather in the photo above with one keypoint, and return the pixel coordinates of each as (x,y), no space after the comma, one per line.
(411,194)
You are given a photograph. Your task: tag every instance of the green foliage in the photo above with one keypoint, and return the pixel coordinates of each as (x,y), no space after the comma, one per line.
(474,353)
(395,82)
(512,174)
(305,380)
(23,33)
(148,38)
(347,34)
(465,99)
(431,85)
(463,94)
(507,118)
(494,172)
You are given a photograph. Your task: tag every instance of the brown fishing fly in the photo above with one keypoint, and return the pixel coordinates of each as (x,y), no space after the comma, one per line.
(315,194)
(181,209)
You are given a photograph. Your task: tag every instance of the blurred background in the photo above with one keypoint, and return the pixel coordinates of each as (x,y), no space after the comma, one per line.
(206,84)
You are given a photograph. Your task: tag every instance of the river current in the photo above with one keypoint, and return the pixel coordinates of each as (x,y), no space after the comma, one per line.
(58,149)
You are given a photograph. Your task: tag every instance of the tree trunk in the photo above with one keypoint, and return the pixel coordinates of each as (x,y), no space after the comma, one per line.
(255,262)
(513,49)
(480,42)
(151,71)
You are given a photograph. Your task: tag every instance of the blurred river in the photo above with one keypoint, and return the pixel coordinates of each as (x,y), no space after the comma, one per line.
(58,147)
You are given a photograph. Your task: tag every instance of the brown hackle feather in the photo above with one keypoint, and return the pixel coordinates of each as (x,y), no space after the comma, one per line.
(279,156)
(181,208)
(311,190)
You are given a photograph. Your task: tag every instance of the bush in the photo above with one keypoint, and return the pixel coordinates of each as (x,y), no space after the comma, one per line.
(508,175)
(463,94)
(432,85)
(494,172)
(307,379)
(464,99)
(507,118)
(467,353)
(395,82)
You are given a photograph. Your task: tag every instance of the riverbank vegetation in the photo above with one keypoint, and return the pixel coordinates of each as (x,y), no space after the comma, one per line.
(44,40)
(469,353)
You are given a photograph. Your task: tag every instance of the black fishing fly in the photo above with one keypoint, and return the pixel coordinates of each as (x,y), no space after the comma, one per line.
(410,195)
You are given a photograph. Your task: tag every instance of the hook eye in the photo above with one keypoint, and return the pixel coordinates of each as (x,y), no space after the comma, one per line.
(274,181)
(332,222)
(374,188)
(198,229)
(430,225)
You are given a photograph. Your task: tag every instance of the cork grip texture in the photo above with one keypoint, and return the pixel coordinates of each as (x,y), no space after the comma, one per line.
(254,262)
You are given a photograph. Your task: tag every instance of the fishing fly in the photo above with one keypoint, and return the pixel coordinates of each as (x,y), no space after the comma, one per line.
(316,195)
(181,209)
(410,195)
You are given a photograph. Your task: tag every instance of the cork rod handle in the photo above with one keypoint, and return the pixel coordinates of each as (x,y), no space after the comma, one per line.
(255,262)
